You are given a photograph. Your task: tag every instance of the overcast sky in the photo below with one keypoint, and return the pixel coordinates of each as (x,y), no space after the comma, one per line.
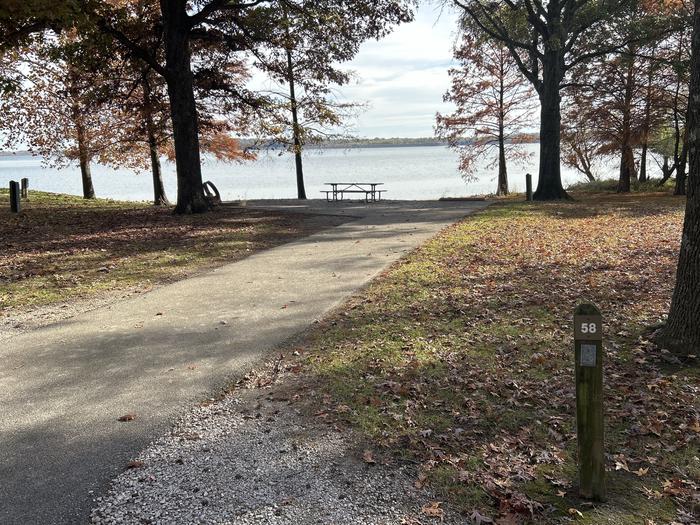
(404,76)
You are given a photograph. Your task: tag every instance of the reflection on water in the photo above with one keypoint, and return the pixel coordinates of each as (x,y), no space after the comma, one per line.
(420,173)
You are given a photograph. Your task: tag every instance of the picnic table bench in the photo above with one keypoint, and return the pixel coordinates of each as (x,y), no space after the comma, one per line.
(368,189)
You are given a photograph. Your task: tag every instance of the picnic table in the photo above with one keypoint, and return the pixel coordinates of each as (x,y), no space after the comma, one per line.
(368,189)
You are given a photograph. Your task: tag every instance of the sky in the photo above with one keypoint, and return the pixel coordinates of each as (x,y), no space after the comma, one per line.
(401,79)
(404,76)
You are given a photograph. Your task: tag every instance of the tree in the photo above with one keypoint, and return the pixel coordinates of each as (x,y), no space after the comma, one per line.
(671,141)
(547,40)
(494,103)
(245,27)
(580,144)
(611,102)
(59,110)
(20,20)
(682,331)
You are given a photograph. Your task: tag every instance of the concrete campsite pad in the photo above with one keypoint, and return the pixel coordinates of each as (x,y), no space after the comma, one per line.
(63,387)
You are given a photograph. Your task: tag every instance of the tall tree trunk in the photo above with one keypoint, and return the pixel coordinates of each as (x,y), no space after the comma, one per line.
(628,172)
(159,196)
(183,109)
(301,190)
(646,127)
(627,169)
(549,186)
(502,169)
(83,153)
(643,176)
(86,174)
(681,177)
(682,332)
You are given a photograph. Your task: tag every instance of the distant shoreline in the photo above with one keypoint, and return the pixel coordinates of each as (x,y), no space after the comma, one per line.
(361,144)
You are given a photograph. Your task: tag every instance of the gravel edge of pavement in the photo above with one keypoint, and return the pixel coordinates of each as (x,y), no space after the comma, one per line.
(258,456)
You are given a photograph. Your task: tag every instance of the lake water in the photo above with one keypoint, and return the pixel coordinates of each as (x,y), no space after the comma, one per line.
(412,173)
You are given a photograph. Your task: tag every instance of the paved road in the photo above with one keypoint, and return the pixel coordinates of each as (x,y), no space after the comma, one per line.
(63,387)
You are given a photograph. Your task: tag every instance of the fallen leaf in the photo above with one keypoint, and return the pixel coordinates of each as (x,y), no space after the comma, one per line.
(433,510)
(126,417)
(368,457)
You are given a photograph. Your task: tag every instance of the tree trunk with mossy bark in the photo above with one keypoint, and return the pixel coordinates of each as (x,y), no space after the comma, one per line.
(681,334)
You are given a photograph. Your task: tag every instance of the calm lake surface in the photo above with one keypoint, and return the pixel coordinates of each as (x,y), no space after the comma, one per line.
(412,173)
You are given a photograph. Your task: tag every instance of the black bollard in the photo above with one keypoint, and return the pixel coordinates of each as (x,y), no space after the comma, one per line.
(15,200)
(528,185)
(25,188)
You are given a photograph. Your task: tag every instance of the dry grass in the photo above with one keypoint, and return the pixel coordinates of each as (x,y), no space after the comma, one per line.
(62,247)
(460,359)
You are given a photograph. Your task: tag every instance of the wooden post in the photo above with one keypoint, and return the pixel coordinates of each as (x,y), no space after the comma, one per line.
(528,186)
(588,341)
(15,202)
(25,188)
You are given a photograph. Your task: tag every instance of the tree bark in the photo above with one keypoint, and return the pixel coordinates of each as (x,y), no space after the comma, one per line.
(549,186)
(502,168)
(83,154)
(159,196)
(183,108)
(681,177)
(86,175)
(301,190)
(628,171)
(682,332)
(643,176)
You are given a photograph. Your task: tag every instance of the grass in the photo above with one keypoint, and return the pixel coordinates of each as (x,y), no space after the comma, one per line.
(62,248)
(610,186)
(459,359)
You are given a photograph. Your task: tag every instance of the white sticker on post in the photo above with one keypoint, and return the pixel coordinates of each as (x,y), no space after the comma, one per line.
(588,355)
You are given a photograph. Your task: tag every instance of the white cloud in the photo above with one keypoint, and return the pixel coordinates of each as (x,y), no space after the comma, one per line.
(404,76)
(401,78)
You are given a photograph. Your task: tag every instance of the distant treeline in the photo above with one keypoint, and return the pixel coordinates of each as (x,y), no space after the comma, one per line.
(375,142)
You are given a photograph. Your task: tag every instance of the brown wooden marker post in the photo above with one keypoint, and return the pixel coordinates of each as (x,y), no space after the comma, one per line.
(25,188)
(15,202)
(588,340)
